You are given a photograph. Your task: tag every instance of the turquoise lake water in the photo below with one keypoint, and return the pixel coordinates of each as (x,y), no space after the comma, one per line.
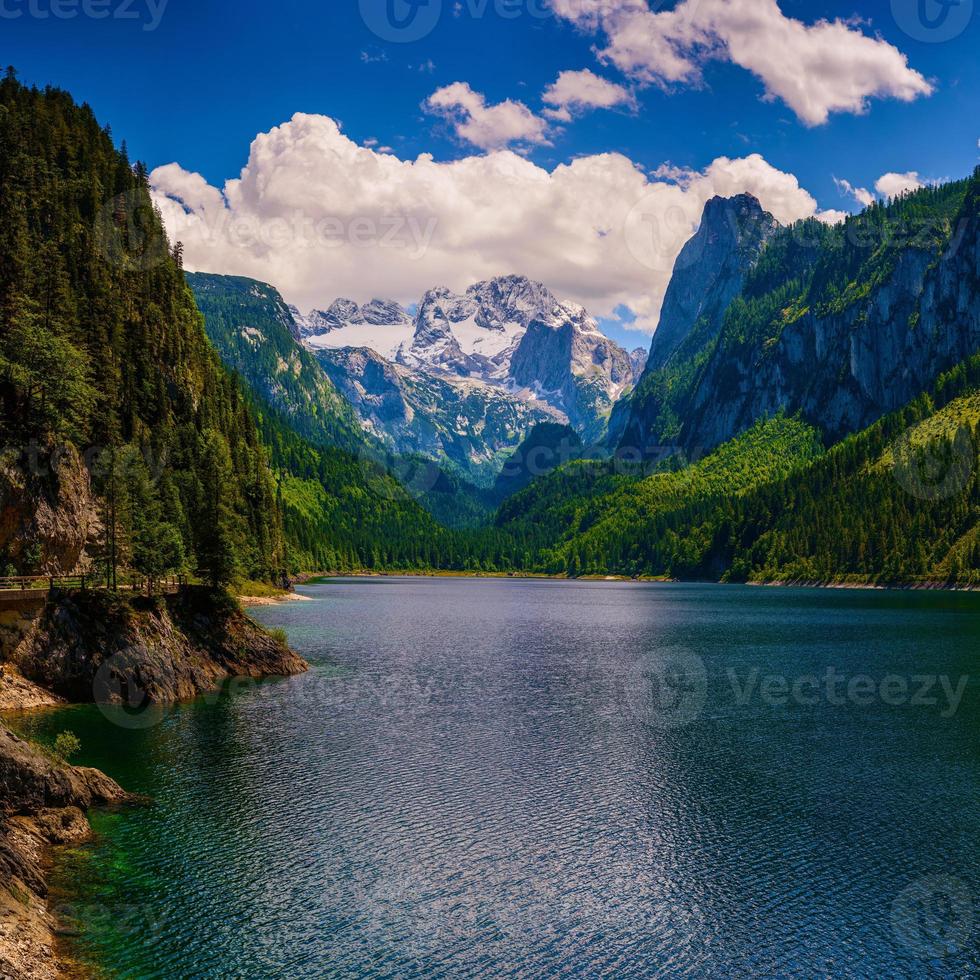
(503,778)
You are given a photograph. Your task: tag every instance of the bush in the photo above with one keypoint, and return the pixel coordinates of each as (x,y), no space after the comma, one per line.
(279,635)
(67,745)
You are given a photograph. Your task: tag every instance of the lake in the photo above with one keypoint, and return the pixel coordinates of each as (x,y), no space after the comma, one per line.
(535,778)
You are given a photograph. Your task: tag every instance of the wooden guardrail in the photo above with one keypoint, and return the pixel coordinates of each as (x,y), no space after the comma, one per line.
(52,583)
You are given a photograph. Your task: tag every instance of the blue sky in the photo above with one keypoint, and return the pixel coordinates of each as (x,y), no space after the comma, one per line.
(198,88)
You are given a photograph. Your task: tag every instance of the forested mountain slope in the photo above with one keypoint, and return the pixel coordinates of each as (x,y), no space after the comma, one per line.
(598,517)
(103,356)
(253,331)
(839,323)
(896,503)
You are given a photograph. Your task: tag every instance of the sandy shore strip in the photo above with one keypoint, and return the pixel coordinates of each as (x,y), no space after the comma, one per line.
(267,600)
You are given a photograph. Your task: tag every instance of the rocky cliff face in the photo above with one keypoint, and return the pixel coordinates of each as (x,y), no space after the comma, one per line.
(434,345)
(93,646)
(47,511)
(839,325)
(708,274)
(469,423)
(710,271)
(564,360)
(844,369)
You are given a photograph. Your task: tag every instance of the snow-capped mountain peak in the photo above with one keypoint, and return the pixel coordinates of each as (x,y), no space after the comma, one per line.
(381,325)
(510,299)
(510,332)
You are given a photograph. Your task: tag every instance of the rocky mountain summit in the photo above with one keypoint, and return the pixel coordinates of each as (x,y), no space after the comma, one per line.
(709,273)
(892,301)
(837,324)
(344,312)
(486,365)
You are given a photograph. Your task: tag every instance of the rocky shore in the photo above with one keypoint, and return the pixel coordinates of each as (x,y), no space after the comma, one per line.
(44,804)
(85,647)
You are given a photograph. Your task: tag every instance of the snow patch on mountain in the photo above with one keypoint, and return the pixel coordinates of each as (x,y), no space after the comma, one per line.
(510,333)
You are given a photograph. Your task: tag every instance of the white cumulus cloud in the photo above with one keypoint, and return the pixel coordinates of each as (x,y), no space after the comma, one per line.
(578,91)
(894,185)
(319,216)
(816,69)
(490,127)
(887,185)
(832,216)
(862,195)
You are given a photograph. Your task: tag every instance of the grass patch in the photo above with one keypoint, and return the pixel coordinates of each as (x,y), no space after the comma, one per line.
(257,590)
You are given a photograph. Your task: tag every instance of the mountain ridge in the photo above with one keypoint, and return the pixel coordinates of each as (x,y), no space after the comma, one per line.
(469,375)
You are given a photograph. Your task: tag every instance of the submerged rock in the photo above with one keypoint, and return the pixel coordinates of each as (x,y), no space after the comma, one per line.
(41,805)
(95,646)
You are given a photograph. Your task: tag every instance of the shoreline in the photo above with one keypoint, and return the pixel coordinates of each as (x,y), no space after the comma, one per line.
(248,601)
(856,585)
(175,653)
(50,813)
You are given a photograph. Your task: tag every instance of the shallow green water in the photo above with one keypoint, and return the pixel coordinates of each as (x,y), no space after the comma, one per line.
(506,778)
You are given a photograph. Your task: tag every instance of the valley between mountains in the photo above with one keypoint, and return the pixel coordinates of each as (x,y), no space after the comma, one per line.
(807,408)
(808,392)
(461,383)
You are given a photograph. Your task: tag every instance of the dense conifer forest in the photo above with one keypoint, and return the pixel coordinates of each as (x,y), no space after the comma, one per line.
(101,348)
(197,469)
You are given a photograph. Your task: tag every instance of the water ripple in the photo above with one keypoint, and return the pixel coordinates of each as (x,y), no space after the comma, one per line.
(486,787)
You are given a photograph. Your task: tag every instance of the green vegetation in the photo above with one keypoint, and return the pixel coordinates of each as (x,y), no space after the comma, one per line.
(897,503)
(66,746)
(606,518)
(102,349)
(234,478)
(280,636)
